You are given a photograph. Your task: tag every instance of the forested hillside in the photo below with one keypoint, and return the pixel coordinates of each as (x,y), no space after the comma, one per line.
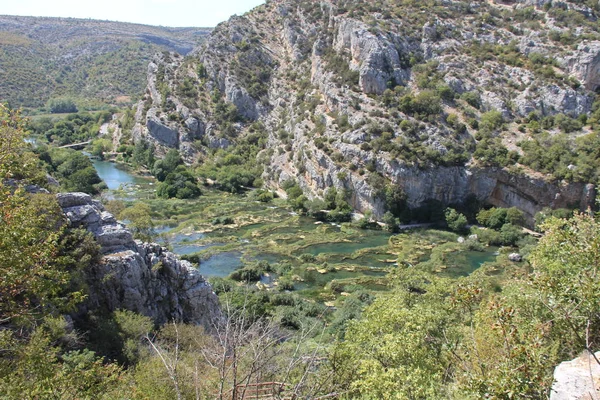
(95,62)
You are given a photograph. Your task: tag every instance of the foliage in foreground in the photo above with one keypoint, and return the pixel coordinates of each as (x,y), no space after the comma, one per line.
(468,338)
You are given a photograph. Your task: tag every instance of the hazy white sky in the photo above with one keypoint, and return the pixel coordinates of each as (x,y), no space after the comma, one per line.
(197,13)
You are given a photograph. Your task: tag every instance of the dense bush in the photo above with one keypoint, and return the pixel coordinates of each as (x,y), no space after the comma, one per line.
(235,170)
(74,128)
(73,170)
(492,152)
(495,218)
(162,168)
(425,105)
(456,221)
(61,106)
(564,158)
(247,274)
(179,184)
(472,98)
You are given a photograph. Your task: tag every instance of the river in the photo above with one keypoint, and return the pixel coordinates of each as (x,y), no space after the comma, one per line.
(276,236)
(114,176)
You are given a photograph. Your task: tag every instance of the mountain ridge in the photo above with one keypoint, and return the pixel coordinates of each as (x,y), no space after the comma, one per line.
(356,96)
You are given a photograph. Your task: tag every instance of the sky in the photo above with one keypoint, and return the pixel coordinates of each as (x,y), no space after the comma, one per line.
(176,13)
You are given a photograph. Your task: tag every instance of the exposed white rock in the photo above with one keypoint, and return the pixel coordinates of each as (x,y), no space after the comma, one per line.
(376,58)
(585,64)
(578,379)
(162,133)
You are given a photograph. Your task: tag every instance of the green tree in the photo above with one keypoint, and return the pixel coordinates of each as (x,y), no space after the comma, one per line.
(179,184)
(330,198)
(490,121)
(566,266)
(456,221)
(101,146)
(143,154)
(16,161)
(493,218)
(133,329)
(61,105)
(73,169)
(83,180)
(515,216)
(39,368)
(140,221)
(30,229)
(395,350)
(510,234)
(508,352)
(391,222)
(34,253)
(395,200)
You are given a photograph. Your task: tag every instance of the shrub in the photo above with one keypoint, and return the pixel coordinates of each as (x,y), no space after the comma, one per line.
(391,222)
(179,184)
(427,104)
(285,283)
(491,121)
(456,221)
(61,106)
(472,98)
(307,258)
(493,218)
(510,234)
(247,274)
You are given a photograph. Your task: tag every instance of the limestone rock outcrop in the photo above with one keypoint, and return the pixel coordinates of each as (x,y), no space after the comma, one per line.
(578,379)
(585,64)
(141,277)
(376,58)
(163,134)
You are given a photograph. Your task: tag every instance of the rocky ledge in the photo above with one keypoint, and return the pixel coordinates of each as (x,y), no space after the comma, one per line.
(141,277)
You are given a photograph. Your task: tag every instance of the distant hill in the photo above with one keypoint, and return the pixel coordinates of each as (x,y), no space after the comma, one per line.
(89,60)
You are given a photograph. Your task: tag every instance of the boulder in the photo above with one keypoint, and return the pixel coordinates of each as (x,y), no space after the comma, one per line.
(578,379)
(67,200)
(515,257)
(196,127)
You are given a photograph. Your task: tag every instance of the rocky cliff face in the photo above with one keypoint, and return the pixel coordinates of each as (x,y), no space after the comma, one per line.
(327,84)
(136,276)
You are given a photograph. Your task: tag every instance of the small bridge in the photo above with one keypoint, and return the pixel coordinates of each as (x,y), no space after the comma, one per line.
(269,391)
(263,390)
(77,146)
